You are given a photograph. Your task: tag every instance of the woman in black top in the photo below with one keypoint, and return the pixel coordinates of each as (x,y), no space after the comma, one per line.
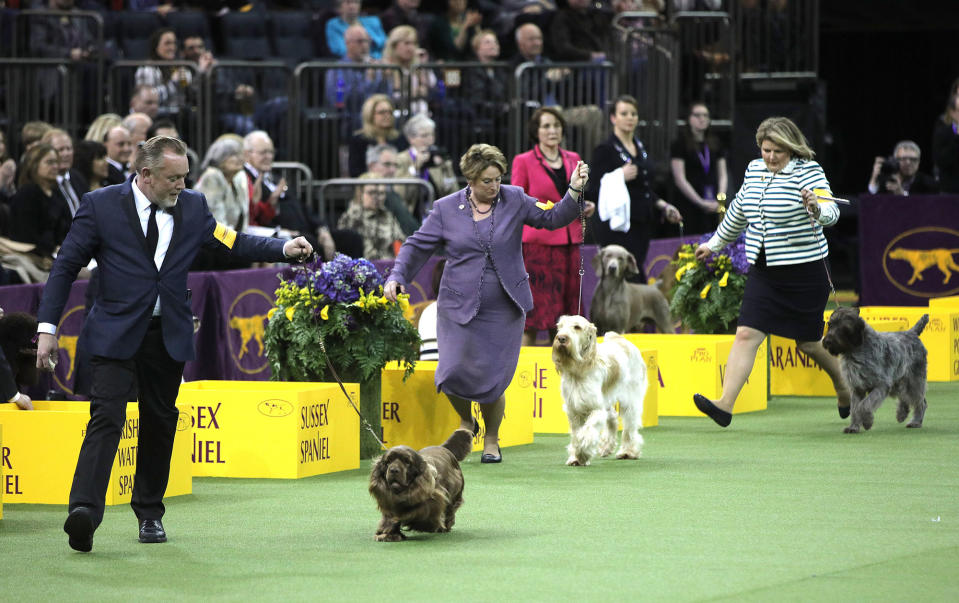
(40,215)
(624,150)
(698,164)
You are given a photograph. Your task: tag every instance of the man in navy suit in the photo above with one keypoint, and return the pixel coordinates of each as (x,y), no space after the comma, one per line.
(144,234)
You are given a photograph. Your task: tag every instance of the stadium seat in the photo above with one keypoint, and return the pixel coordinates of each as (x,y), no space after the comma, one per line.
(244,36)
(190,23)
(291,32)
(134,30)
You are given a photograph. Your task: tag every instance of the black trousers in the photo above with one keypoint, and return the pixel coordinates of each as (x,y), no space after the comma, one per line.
(153,378)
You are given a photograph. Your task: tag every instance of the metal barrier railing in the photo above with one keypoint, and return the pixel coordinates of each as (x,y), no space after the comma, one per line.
(581,89)
(180,92)
(647,54)
(325,109)
(301,182)
(330,206)
(39,33)
(240,96)
(708,70)
(778,39)
(38,89)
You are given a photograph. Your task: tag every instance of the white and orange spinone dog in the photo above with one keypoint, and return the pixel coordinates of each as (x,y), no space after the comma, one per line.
(593,378)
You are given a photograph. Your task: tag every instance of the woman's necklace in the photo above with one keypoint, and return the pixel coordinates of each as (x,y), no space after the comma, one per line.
(474,207)
(547,157)
(488,245)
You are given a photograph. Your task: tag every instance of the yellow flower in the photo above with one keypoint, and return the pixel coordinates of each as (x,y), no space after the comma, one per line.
(325,312)
(705,290)
(685,256)
(270,314)
(403,299)
(682,271)
(725,280)
(289,313)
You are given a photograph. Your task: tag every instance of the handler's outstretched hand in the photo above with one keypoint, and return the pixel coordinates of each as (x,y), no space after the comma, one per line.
(580,176)
(298,249)
(702,252)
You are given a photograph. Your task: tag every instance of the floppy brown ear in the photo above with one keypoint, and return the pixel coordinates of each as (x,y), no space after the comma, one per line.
(631,268)
(597,262)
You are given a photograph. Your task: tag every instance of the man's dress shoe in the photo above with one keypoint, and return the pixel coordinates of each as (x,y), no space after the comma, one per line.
(151,530)
(79,527)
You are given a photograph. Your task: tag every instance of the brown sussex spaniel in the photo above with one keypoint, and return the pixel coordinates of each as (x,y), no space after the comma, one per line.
(419,490)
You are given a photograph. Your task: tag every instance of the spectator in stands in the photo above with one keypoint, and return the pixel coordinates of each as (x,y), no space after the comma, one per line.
(70,183)
(487,87)
(145,100)
(154,6)
(402,50)
(581,33)
(348,15)
(551,256)
(101,126)
(505,19)
(368,216)
(900,175)
(119,150)
(275,207)
(623,155)
(423,159)
(381,160)
(406,12)
(8,172)
(379,127)
(165,127)
(234,91)
(138,124)
(698,165)
(90,160)
(945,146)
(347,88)
(39,215)
(65,37)
(32,132)
(226,188)
(171,83)
(452,30)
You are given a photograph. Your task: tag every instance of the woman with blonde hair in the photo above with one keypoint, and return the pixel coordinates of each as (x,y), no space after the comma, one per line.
(101,126)
(378,127)
(788,282)
(484,292)
(403,50)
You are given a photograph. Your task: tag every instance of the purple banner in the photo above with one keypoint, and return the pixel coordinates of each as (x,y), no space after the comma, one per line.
(908,248)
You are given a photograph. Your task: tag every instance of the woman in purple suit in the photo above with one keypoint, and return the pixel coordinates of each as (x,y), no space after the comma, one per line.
(484,294)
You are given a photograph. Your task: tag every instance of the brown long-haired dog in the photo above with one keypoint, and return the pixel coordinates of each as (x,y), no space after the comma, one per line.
(419,490)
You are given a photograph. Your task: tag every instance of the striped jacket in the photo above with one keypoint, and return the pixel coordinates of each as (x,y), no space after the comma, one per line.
(769,208)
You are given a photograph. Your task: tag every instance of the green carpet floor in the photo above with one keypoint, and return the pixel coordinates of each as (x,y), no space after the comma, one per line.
(781,506)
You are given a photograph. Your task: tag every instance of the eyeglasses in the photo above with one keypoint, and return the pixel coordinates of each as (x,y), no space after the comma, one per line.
(384,112)
(265,152)
(700,114)
(907,159)
(389,164)
(375,193)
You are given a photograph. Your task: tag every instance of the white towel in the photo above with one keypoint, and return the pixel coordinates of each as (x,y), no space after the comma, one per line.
(614,200)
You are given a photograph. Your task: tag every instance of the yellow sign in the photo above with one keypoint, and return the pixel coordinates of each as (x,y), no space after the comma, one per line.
(37,472)
(2,469)
(941,335)
(691,364)
(939,303)
(272,429)
(416,415)
(537,382)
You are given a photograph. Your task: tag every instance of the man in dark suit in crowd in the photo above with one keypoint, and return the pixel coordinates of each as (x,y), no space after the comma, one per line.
(144,234)
(119,149)
(70,182)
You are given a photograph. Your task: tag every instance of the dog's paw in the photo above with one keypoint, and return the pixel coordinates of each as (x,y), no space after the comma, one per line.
(575,462)
(867,422)
(901,413)
(851,429)
(627,455)
(914,424)
(390,537)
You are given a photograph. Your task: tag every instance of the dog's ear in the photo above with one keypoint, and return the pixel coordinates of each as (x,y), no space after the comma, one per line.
(631,268)
(855,310)
(858,332)
(597,262)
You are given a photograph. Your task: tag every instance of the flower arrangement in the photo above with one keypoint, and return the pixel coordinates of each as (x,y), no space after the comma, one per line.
(707,295)
(340,302)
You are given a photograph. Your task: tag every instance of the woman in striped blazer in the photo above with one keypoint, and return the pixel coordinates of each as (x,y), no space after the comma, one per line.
(788,283)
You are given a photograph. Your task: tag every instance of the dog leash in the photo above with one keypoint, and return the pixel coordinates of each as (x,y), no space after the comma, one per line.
(825,264)
(363,422)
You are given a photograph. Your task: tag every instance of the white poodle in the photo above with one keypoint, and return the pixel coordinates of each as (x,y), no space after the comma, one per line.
(593,378)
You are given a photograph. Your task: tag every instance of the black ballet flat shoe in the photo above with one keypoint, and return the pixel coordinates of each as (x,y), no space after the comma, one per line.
(493,458)
(844,412)
(722,418)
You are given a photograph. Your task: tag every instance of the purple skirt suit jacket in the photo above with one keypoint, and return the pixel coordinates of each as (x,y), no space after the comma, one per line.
(450,223)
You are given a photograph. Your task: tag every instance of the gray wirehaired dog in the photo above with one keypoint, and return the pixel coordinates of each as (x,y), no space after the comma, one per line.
(877,365)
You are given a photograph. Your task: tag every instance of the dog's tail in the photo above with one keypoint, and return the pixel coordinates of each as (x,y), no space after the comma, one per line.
(460,443)
(920,325)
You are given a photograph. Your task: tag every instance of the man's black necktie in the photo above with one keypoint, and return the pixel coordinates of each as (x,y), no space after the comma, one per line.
(153,232)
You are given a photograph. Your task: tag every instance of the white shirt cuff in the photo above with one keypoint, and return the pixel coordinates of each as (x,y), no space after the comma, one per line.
(45,327)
